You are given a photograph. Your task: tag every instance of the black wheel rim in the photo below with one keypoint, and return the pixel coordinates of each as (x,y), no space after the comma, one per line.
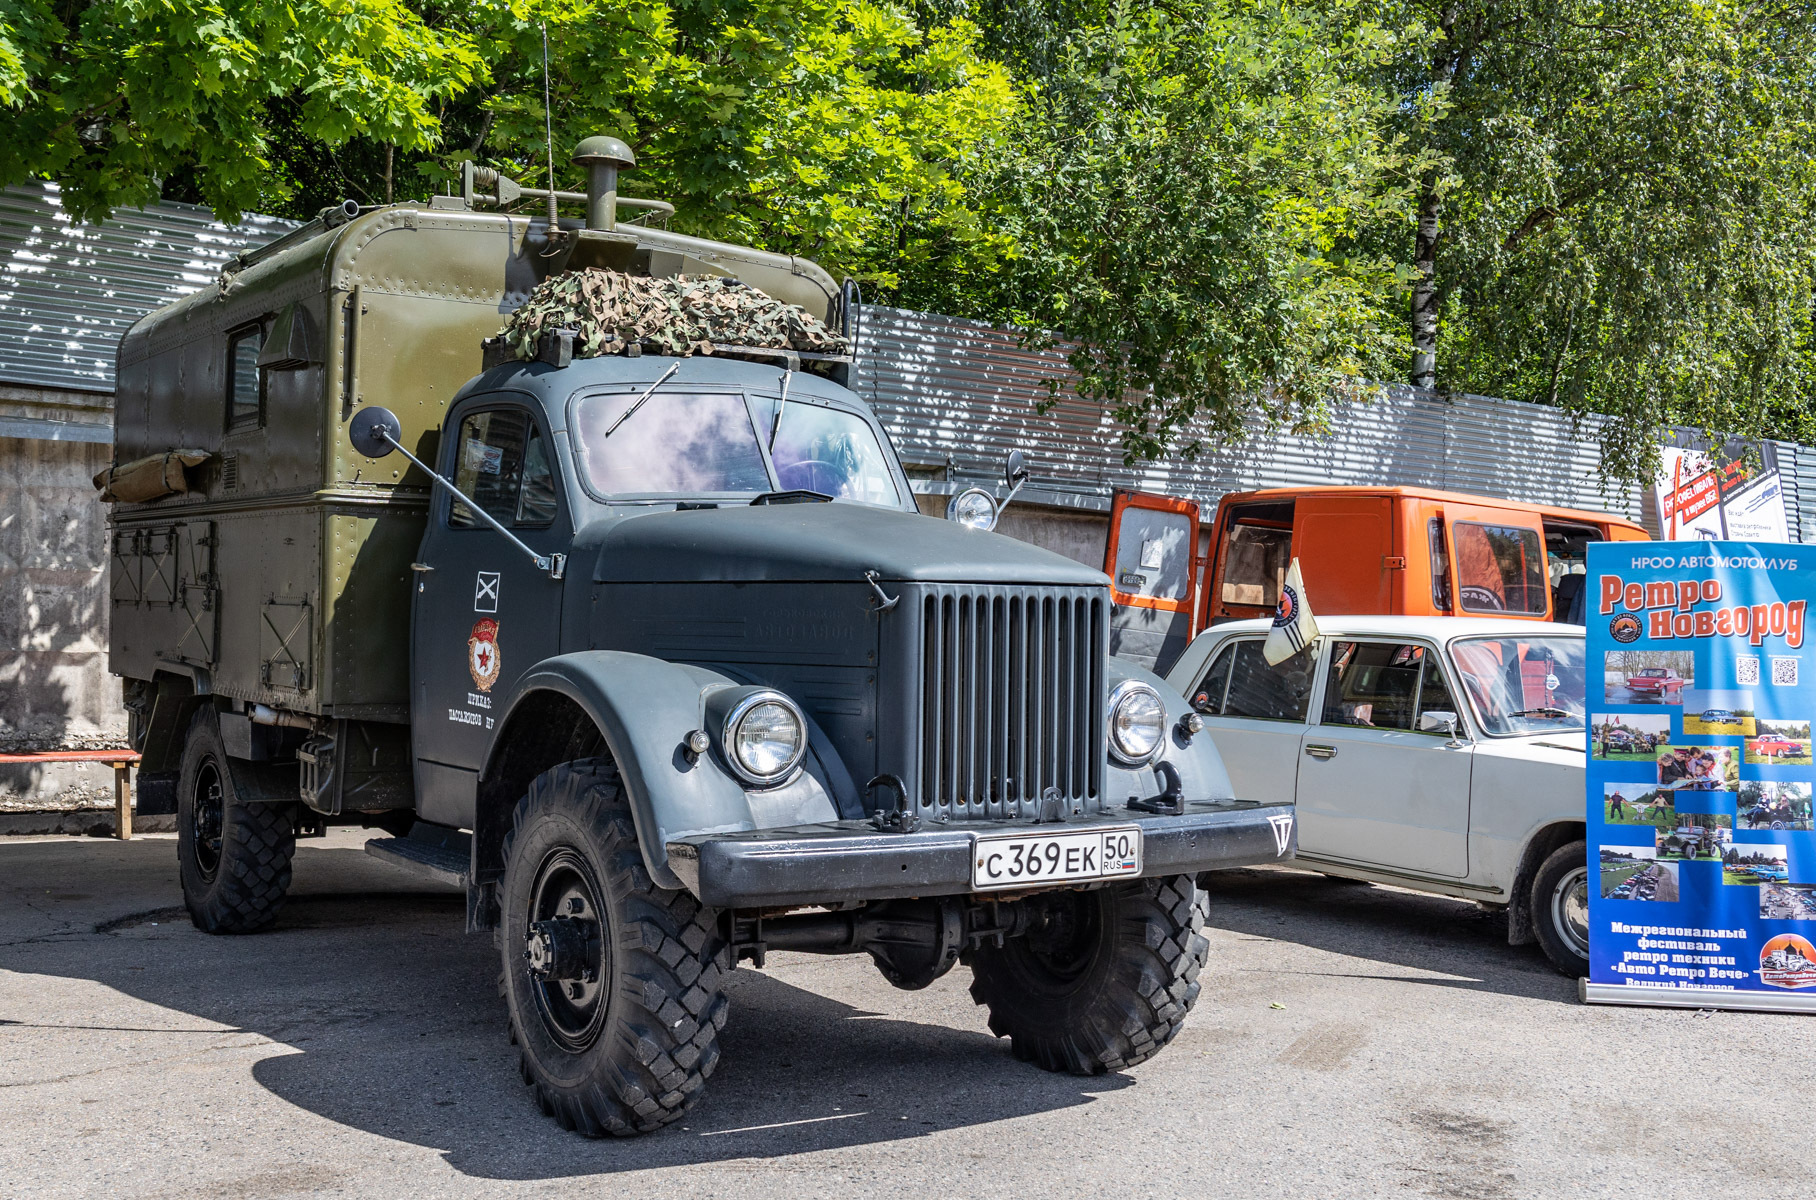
(207,812)
(572,1010)
(1063,947)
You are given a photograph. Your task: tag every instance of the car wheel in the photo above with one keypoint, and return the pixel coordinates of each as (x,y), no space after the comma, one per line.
(233,858)
(1102,980)
(614,985)
(1560,908)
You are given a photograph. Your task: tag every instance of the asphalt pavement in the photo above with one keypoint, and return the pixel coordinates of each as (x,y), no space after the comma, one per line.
(1351,1041)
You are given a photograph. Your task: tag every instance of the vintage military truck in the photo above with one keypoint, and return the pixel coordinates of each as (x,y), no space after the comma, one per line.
(667,670)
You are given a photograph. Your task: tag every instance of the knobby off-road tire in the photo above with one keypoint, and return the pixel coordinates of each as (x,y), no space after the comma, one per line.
(630,1050)
(1560,908)
(233,858)
(1104,983)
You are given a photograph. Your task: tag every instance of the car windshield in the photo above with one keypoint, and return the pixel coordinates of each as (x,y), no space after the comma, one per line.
(830,451)
(1653,673)
(1523,685)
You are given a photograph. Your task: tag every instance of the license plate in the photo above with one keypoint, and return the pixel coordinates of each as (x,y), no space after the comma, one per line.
(1009,860)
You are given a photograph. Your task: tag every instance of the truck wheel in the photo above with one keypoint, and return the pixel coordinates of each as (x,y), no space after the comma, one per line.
(233,858)
(613,984)
(1102,981)
(1560,908)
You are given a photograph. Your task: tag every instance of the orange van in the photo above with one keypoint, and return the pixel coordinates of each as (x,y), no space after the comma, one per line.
(1378,550)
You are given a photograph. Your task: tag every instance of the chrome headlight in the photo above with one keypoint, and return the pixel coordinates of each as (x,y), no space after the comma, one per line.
(764,739)
(974,508)
(1138,722)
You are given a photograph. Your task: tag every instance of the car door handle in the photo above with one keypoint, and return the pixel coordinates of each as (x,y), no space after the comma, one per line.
(1318,751)
(422,568)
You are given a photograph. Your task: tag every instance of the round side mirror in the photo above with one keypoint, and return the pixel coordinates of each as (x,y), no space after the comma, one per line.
(1015,471)
(375,431)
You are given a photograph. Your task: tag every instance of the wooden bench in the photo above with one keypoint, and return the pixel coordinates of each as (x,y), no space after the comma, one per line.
(122,762)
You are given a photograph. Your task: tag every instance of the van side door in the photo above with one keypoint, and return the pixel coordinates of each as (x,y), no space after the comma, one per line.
(1152,561)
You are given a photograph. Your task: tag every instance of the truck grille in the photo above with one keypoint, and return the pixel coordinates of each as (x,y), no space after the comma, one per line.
(1012,698)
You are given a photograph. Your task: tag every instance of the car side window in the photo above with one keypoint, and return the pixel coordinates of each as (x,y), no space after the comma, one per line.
(1374,684)
(1207,697)
(501,460)
(1437,707)
(1271,693)
(1387,685)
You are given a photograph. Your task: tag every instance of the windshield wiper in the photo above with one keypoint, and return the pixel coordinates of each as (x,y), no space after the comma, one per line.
(1553,713)
(648,392)
(775,425)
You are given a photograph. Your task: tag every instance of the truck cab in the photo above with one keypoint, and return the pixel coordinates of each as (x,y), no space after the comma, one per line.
(650,651)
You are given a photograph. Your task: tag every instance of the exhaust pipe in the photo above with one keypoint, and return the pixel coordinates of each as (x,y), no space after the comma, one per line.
(603,157)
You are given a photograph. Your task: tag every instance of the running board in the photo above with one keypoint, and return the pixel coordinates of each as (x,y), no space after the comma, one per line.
(430,852)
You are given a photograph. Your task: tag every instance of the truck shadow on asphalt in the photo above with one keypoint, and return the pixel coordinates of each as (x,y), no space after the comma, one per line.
(382,1015)
(1386,926)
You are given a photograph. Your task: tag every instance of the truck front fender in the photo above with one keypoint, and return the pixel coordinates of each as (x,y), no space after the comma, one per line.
(643,709)
(1201,772)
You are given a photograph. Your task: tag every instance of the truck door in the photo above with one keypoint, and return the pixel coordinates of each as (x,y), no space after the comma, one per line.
(483,611)
(1152,562)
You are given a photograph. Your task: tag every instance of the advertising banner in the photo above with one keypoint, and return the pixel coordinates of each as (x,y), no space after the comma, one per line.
(1702,852)
(1730,492)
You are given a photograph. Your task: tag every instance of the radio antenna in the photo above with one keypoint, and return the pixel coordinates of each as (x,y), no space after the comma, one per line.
(548,129)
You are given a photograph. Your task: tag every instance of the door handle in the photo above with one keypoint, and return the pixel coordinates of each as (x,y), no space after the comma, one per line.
(423,568)
(1318,751)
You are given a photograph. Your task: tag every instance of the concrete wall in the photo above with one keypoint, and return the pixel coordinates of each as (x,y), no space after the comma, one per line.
(55,691)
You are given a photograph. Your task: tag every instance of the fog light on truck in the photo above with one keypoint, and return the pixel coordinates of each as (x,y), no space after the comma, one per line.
(765,738)
(1137,723)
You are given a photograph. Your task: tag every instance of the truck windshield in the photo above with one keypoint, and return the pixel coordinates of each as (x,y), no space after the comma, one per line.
(1523,685)
(678,442)
(833,452)
(706,443)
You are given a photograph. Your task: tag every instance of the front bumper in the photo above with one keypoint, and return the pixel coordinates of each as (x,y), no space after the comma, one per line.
(850,860)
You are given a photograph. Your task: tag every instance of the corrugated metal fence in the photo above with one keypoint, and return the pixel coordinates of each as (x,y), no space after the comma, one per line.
(957,395)
(68,291)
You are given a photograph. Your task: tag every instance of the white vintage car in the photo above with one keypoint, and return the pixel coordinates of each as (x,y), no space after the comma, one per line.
(1437,753)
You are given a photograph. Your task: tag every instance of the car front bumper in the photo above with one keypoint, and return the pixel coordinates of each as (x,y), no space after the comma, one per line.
(852,860)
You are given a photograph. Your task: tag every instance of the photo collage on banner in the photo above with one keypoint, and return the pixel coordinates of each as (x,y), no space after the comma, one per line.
(1702,849)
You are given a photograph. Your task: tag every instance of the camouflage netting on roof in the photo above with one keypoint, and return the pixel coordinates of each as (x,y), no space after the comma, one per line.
(681,314)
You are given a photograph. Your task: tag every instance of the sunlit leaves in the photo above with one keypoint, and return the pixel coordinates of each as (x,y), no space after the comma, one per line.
(140,88)
(1184,200)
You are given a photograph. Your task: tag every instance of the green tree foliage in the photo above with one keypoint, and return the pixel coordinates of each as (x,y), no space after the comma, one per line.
(1184,197)
(838,128)
(114,97)
(1626,221)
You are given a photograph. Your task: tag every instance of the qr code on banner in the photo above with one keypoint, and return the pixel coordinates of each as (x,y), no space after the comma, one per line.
(1784,672)
(1746,670)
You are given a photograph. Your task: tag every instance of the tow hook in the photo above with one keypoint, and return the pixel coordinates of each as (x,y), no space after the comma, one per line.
(560,948)
(1171,801)
(902,818)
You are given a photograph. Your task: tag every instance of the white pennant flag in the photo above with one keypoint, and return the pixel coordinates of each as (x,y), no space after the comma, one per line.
(1294,627)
